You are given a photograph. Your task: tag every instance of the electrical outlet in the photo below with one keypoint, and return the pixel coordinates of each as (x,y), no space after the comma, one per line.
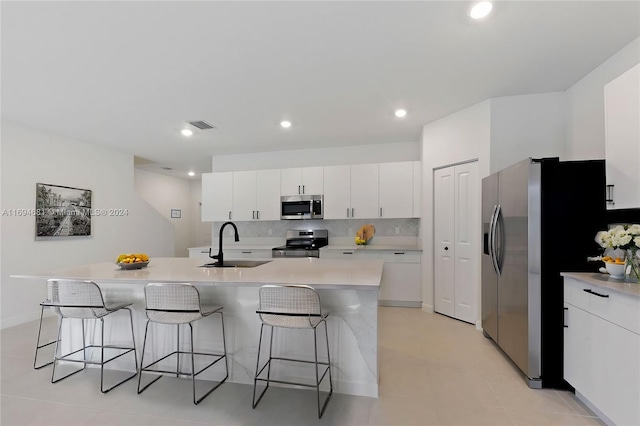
(397,229)
(270,231)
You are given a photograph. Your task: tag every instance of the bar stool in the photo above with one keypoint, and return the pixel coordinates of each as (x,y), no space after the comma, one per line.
(73,299)
(297,307)
(179,303)
(44,345)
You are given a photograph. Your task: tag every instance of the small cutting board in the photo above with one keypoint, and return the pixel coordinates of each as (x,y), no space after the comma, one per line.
(366,232)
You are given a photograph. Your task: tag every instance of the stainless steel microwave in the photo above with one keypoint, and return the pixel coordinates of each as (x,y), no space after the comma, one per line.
(301,207)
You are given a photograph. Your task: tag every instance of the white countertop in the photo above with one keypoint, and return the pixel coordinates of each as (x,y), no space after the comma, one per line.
(321,273)
(605,281)
(233,247)
(372,247)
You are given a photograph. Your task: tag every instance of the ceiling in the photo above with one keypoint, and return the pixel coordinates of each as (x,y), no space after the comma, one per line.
(129,75)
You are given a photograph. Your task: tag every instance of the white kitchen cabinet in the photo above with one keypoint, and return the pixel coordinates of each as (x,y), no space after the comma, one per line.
(302,181)
(337,192)
(622,135)
(401,274)
(395,189)
(364,191)
(602,349)
(256,195)
(217,196)
(417,188)
(200,252)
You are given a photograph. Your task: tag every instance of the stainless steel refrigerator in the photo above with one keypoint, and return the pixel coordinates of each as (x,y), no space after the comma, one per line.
(539,218)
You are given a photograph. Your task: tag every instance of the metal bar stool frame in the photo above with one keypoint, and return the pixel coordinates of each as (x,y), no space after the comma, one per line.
(195,310)
(95,309)
(269,315)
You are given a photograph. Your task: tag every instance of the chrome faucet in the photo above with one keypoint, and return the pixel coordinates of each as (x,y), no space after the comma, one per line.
(219,256)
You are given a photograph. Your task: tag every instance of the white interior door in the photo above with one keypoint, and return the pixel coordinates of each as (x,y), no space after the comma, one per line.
(466,231)
(443,205)
(456,250)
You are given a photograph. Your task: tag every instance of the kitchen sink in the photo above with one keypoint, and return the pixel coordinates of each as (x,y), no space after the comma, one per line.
(237,264)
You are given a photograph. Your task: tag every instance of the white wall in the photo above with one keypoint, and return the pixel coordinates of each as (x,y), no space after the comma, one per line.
(29,157)
(527,126)
(164,193)
(200,232)
(361,154)
(459,137)
(585,105)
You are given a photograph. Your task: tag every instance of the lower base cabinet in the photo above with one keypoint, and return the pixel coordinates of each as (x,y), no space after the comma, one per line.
(602,350)
(401,275)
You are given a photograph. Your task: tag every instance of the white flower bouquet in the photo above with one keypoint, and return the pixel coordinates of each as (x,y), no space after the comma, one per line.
(625,238)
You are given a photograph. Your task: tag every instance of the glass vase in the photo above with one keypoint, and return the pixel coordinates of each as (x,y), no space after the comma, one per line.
(632,267)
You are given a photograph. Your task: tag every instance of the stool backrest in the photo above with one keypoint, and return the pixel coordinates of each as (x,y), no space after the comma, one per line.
(75,299)
(297,301)
(172,302)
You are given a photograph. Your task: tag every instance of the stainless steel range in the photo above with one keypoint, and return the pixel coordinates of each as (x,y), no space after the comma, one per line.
(302,243)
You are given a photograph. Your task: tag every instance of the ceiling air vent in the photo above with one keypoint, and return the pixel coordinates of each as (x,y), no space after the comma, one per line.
(202,125)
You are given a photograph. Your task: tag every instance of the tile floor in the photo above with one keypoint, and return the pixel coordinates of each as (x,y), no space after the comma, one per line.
(433,371)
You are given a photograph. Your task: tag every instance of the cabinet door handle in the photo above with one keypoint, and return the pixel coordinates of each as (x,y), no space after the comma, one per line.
(347,211)
(299,189)
(257,214)
(347,252)
(352,212)
(380,211)
(246,252)
(399,252)
(253,214)
(588,290)
(204,251)
(564,324)
(229,215)
(303,189)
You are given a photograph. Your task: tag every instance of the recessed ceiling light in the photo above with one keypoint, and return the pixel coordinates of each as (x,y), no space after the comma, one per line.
(480,10)
(186,132)
(400,113)
(285,124)
(192,173)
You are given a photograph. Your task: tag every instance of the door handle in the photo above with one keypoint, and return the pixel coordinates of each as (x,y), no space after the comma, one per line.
(257,214)
(492,237)
(303,189)
(497,256)
(299,189)
(347,252)
(229,215)
(253,214)
(246,252)
(446,248)
(380,211)
(564,324)
(352,215)
(347,211)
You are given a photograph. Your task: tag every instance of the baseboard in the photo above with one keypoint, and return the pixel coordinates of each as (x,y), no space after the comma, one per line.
(427,308)
(22,319)
(479,325)
(593,408)
(400,304)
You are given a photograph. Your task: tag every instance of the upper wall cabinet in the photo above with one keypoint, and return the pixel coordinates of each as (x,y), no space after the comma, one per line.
(337,192)
(396,189)
(256,195)
(622,128)
(417,188)
(217,196)
(305,180)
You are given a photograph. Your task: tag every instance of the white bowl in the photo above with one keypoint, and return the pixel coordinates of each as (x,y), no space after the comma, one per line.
(615,270)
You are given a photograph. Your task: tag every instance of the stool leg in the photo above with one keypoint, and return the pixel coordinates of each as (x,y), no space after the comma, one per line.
(84,345)
(178,351)
(38,346)
(315,352)
(193,367)
(133,339)
(255,378)
(326,334)
(56,357)
(224,346)
(144,345)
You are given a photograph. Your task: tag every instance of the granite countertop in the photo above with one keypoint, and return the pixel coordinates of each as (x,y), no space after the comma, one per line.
(338,274)
(372,247)
(605,281)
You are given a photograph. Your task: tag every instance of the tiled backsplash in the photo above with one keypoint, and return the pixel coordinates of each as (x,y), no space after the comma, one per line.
(336,228)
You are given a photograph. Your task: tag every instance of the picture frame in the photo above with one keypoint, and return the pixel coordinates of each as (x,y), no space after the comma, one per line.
(176,213)
(62,211)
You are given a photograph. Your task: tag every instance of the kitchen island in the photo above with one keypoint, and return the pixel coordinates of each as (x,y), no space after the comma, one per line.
(348,289)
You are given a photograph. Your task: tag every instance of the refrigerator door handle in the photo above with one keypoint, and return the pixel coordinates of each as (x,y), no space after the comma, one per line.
(491,250)
(493,237)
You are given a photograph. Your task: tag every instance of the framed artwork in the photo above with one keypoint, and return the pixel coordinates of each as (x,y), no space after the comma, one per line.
(62,211)
(176,213)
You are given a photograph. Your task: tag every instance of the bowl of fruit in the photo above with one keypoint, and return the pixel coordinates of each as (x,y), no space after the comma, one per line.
(614,266)
(132,261)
